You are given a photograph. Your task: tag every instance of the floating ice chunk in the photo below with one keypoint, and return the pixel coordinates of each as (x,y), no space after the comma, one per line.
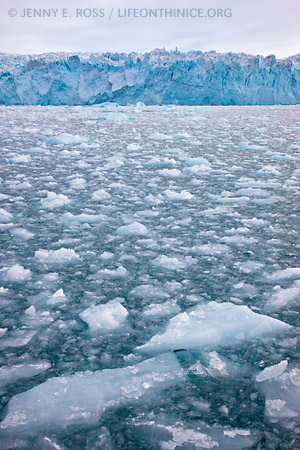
(204,168)
(120,272)
(81,218)
(5,216)
(57,297)
(14,274)
(116,116)
(3,331)
(21,233)
(63,255)
(107,255)
(281,297)
(173,195)
(54,200)
(171,173)
(211,325)
(107,105)
(133,229)
(272,372)
(196,162)
(159,137)
(113,163)
(167,262)
(133,147)
(268,171)
(31,311)
(282,392)
(65,138)
(252,192)
(233,200)
(84,397)
(18,338)
(147,292)
(255,222)
(107,317)
(19,371)
(153,200)
(291,273)
(168,433)
(100,195)
(20,159)
(78,183)
(250,266)
(156,161)
(253,147)
(211,249)
(251,183)
(159,310)
(238,240)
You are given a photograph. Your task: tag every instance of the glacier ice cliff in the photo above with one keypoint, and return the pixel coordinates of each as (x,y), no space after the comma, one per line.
(157,77)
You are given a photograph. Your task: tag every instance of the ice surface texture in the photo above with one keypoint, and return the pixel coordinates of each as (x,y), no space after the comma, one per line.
(157,77)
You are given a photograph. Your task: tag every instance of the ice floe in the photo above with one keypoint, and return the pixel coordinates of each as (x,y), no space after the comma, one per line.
(106,317)
(61,256)
(210,325)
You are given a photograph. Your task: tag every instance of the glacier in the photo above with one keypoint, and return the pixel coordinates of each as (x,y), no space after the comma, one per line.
(154,78)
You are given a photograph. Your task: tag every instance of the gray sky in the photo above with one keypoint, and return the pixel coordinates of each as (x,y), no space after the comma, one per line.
(257,27)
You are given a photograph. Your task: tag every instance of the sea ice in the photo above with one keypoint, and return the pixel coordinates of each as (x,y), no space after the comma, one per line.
(272,371)
(282,391)
(54,200)
(100,195)
(133,229)
(5,216)
(172,263)
(12,374)
(159,310)
(120,272)
(21,233)
(57,297)
(63,255)
(18,338)
(84,397)
(81,218)
(281,297)
(107,317)
(286,274)
(168,433)
(65,138)
(20,159)
(14,274)
(78,183)
(173,195)
(210,325)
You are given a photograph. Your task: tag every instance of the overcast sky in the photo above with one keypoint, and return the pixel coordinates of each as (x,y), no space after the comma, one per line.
(257,27)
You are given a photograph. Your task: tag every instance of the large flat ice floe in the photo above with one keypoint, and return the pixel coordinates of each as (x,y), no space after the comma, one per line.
(211,325)
(83,397)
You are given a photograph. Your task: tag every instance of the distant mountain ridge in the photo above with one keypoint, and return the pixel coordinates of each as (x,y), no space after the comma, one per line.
(157,77)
